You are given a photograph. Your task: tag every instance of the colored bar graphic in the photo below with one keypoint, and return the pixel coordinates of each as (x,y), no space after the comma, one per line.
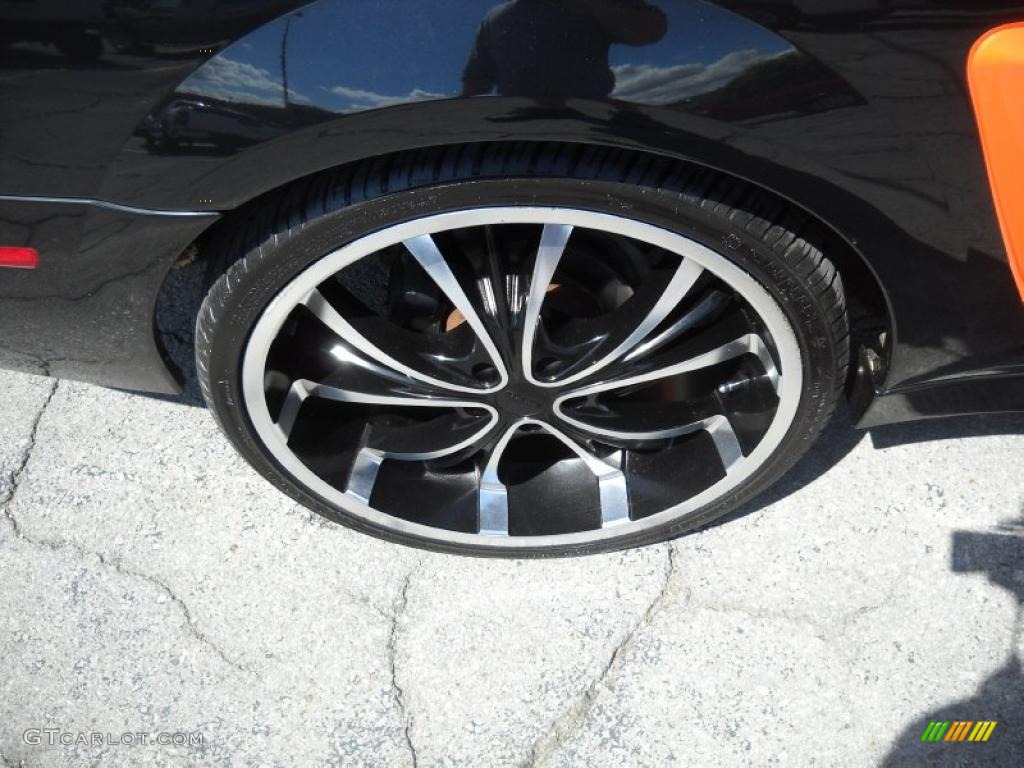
(959,730)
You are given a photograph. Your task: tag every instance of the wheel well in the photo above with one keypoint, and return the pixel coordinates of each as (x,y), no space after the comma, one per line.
(185,285)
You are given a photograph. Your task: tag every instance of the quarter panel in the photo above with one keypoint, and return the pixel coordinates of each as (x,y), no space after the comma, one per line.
(338,81)
(856,111)
(86,312)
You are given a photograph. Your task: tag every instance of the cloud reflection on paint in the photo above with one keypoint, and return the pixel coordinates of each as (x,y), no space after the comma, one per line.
(357,100)
(235,81)
(647,84)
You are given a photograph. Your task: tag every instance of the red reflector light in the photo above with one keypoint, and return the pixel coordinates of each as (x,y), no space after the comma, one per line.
(19,258)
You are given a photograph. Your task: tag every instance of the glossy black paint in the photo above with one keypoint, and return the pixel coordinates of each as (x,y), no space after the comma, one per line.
(87,311)
(856,110)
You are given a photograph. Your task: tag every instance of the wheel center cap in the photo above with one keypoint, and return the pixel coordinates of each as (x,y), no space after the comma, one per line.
(519,402)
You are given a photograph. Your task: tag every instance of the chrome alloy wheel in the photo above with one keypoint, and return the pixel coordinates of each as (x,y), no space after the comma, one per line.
(522,377)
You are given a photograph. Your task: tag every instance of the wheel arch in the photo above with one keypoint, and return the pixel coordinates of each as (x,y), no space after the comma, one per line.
(872,324)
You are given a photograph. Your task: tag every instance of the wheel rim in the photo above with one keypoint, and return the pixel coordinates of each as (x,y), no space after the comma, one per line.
(521,377)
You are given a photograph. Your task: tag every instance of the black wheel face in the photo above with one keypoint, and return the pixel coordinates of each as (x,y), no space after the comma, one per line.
(521,377)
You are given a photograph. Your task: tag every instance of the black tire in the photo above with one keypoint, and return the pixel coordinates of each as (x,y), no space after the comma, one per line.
(287,231)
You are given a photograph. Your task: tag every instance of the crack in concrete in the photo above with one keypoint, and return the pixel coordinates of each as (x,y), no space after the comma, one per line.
(19,470)
(851,616)
(828,630)
(397,692)
(63,546)
(563,727)
(85,554)
(190,621)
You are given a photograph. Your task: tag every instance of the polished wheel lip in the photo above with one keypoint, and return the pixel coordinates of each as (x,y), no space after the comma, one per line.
(790,385)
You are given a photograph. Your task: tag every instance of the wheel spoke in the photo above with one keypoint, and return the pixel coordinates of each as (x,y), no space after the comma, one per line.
(683,279)
(425,251)
(614,497)
(351,371)
(611,481)
(329,316)
(553,240)
(302,389)
(748,344)
(717,426)
(706,309)
(370,456)
(364,473)
(722,433)
(493,502)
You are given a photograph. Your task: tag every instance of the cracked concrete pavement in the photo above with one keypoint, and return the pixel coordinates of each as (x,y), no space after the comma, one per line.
(151,582)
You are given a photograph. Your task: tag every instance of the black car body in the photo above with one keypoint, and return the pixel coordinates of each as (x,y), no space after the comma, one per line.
(117,166)
(858,112)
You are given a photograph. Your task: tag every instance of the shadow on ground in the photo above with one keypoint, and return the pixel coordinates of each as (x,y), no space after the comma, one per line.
(950,428)
(1000,697)
(839,438)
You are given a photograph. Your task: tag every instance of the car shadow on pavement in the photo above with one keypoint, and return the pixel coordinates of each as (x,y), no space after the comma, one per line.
(839,438)
(948,428)
(1000,696)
